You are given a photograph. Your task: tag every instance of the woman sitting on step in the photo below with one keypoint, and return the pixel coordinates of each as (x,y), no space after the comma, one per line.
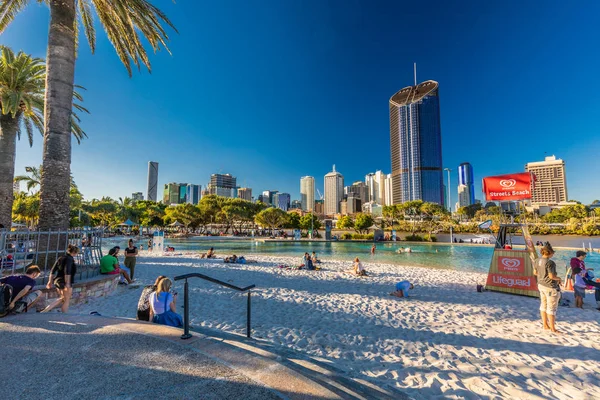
(143,308)
(162,305)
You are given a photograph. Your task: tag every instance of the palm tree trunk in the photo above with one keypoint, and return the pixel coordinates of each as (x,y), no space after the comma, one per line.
(8,148)
(60,74)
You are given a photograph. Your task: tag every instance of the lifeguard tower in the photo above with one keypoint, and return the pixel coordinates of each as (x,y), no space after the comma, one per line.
(511,269)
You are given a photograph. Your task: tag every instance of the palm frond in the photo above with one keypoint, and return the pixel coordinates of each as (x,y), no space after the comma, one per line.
(124,20)
(85,12)
(8,10)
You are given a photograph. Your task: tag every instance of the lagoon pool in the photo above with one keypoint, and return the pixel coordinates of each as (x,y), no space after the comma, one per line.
(460,257)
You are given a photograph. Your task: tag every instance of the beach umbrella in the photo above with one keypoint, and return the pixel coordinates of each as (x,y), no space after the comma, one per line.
(177,224)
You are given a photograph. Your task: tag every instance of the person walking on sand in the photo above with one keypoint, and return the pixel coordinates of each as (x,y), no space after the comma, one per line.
(549,287)
(65,270)
(131,253)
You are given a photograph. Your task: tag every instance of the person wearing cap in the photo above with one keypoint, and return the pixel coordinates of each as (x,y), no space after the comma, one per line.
(549,287)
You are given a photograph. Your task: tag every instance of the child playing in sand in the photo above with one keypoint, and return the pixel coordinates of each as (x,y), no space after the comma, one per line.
(402,289)
(357,268)
(579,286)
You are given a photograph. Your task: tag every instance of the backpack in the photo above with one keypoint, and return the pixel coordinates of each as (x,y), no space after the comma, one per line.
(5,296)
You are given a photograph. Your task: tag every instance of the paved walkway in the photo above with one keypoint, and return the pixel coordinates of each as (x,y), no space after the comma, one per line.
(73,356)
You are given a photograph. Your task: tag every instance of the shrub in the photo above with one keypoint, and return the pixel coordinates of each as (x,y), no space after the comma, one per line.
(414,238)
(346,236)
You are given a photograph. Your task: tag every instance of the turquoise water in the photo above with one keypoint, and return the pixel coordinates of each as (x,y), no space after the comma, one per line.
(463,258)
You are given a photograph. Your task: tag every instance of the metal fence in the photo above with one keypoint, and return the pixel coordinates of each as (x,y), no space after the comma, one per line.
(19,249)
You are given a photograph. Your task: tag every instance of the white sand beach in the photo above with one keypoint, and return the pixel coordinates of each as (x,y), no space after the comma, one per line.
(446,341)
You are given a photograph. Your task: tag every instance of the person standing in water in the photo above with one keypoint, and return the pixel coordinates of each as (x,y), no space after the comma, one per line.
(373,248)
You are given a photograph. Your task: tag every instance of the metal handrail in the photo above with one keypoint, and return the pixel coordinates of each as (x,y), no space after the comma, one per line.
(186,304)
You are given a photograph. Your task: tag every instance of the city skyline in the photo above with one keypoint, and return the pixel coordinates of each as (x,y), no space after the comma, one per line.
(476,57)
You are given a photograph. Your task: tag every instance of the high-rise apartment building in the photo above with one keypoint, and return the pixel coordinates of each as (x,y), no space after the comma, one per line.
(416,144)
(245,194)
(192,194)
(282,201)
(223,185)
(152,187)
(334,192)
(307,193)
(549,184)
(137,196)
(465,185)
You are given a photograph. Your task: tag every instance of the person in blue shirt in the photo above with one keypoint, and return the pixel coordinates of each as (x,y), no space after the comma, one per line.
(402,289)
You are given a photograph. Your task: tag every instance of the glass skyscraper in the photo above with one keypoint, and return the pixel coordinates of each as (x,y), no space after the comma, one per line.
(465,178)
(416,144)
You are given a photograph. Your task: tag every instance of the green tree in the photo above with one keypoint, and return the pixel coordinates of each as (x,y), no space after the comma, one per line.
(293,220)
(272,218)
(362,222)
(391,214)
(124,21)
(345,222)
(310,221)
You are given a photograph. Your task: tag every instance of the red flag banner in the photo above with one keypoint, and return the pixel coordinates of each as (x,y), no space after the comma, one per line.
(507,187)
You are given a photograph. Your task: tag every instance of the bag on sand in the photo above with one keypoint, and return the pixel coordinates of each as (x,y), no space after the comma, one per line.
(5,296)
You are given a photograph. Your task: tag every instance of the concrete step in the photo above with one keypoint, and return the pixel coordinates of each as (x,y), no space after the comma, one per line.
(283,373)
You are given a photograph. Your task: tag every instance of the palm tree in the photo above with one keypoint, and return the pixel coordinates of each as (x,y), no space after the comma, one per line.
(124,22)
(32,180)
(22,80)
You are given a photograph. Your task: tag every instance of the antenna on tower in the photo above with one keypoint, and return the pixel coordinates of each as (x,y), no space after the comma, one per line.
(415,68)
(333,167)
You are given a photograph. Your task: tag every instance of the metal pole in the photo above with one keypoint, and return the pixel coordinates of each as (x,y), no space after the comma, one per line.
(186,312)
(248,317)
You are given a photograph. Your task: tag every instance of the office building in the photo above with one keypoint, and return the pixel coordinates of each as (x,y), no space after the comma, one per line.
(268,197)
(282,201)
(387,188)
(307,193)
(152,187)
(416,144)
(137,196)
(359,190)
(353,205)
(376,210)
(320,207)
(375,185)
(245,194)
(223,185)
(465,185)
(549,183)
(192,194)
(296,205)
(334,192)
(171,193)
(182,193)
(343,207)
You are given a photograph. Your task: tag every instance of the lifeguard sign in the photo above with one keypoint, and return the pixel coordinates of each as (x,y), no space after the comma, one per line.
(511,270)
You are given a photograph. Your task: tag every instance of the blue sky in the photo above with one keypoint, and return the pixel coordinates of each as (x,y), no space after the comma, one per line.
(272,90)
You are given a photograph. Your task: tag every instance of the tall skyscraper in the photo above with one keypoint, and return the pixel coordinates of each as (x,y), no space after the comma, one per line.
(245,194)
(550,183)
(307,193)
(334,192)
(223,185)
(282,201)
(192,193)
(465,178)
(416,144)
(268,197)
(387,187)
(152,188)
